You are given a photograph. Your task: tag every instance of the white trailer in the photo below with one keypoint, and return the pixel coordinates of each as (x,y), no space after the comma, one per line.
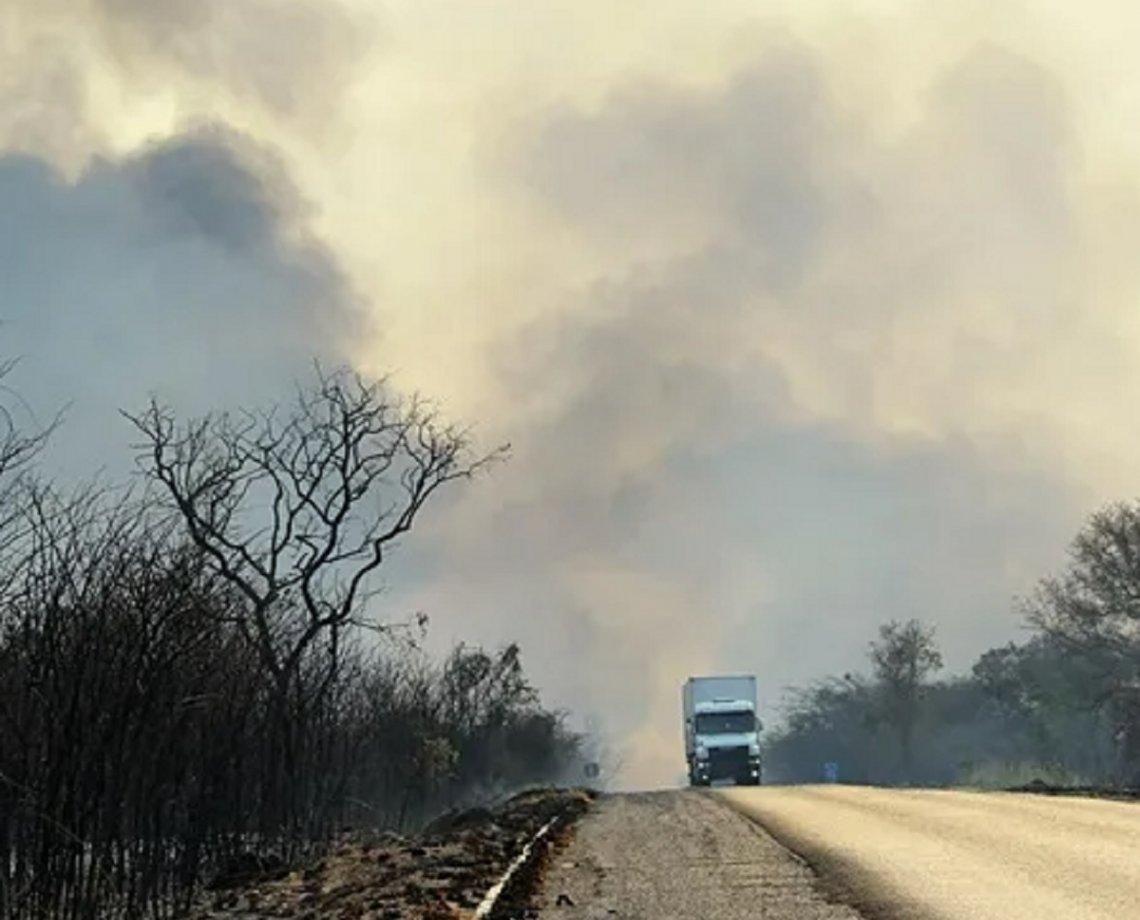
(722,730)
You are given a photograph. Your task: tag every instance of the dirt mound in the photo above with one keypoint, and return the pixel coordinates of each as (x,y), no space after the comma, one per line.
(456,820)
(441,874)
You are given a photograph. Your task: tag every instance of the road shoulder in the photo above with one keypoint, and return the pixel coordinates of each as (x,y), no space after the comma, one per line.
(679,854)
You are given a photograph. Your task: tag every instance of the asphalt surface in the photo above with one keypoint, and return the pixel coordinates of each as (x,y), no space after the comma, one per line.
(875,853)
(681,855)
(942,855)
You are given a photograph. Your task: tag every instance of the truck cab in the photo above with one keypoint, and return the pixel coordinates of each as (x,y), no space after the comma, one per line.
(722,731)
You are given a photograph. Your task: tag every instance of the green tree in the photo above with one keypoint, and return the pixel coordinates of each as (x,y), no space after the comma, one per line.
(902,659)
(1092,611)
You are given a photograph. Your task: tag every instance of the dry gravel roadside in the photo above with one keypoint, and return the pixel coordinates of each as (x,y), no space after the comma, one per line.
(442,874)
(679,855)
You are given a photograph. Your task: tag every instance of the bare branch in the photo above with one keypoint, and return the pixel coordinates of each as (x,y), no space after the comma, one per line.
(298,507)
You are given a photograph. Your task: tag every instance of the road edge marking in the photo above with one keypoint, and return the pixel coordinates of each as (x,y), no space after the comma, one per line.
(490,899)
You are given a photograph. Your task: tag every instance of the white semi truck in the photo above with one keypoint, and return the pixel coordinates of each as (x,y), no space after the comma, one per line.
(722,730)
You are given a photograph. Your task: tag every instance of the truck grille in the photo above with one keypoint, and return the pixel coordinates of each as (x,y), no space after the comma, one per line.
(728,762)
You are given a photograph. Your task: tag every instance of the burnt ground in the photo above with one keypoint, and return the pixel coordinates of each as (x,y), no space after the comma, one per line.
(441,874)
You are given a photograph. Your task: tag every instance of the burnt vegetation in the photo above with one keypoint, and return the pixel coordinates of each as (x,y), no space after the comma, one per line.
(1061,709)
(195,684)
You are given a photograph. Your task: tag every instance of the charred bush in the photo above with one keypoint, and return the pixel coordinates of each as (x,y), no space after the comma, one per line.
(186,696)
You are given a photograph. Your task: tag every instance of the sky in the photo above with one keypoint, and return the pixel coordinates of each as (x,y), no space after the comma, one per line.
(799,316)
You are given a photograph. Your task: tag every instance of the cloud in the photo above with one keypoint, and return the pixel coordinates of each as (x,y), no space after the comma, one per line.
(185,269)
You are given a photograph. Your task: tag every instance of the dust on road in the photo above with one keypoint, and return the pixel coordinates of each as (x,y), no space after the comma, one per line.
(680,855)
(949,855)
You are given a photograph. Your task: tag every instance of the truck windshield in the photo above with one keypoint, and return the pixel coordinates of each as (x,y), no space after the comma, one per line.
(725,723)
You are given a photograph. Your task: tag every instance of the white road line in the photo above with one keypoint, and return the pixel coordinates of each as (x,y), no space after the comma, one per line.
(488,903)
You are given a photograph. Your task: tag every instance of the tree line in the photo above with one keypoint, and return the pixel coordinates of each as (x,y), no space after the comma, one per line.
(1062,707)
(193,678)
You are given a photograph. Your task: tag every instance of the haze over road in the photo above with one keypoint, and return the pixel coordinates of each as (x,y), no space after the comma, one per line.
(962,856)
(894,854)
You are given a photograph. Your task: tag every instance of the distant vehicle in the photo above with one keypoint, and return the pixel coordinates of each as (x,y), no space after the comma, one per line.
(722,730)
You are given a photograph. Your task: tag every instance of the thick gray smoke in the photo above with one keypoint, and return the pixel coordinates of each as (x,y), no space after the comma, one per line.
(293,60)
(736,456)
(182,269)
(838,332)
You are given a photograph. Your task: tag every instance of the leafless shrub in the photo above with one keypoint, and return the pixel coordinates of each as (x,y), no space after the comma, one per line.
(185,689)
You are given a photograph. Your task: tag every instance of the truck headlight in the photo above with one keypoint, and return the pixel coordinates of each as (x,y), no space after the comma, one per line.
(754,749)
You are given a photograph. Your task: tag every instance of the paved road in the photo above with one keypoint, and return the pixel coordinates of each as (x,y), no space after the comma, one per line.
(895,854)
(682,855)
(962,856)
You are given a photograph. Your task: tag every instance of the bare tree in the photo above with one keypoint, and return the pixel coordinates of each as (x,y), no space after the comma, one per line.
(137,723)
(297,510)
(185,696)
(902,658)
(19,447)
